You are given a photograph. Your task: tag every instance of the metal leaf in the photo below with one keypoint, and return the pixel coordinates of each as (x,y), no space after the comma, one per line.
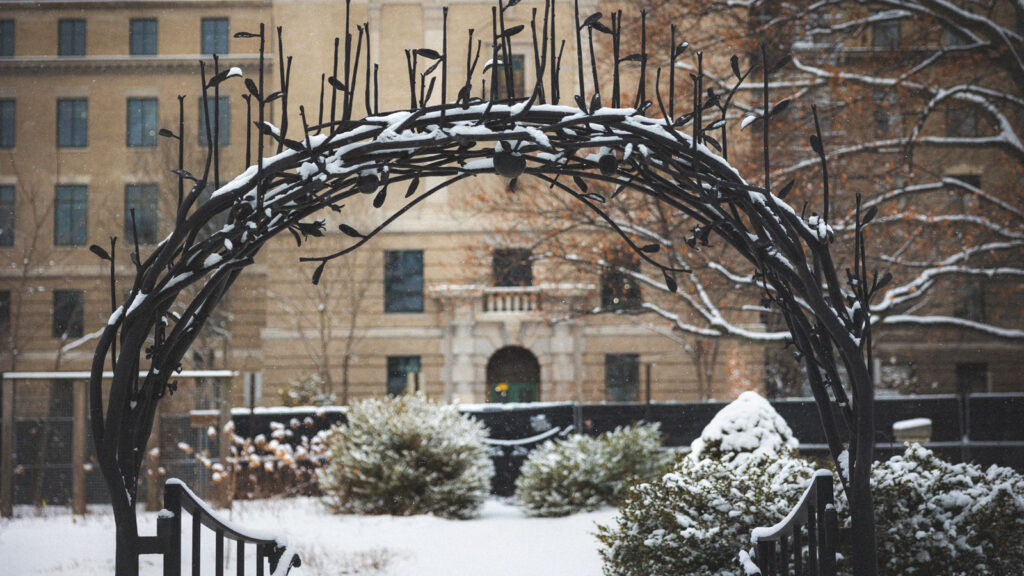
(99,251)
(349,231)
(428,53)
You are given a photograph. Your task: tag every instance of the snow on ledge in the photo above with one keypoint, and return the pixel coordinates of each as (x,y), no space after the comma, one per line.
(911,423)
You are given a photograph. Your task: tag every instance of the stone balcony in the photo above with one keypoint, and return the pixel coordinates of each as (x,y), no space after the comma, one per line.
(493,302)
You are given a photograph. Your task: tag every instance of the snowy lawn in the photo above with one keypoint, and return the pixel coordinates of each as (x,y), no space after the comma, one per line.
(501,541)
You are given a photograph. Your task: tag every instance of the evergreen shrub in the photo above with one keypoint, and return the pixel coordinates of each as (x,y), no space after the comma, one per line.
(406,455)
(581,473)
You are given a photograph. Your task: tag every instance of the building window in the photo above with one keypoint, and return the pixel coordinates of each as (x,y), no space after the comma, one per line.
(6,38)
(71,38)
(215,36)
(518,77)
(885,35)
(619,289)
(68,313)
(887,114)
(622,377)
(403,281)
(6,215)
(69,215)
(221,110)
(399,368)
(971,377)
(142,37)
(963,199)
(142,120)
(72,123)
(5,312)
(143,199)
(7,124)
(961,122)
(969,301)
(512,267)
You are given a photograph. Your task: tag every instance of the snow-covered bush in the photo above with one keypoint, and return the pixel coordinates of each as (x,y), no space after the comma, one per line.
(406,455)
(306,392)
(696,518)
(935,517)
(285,464)
(583,473)
(747,429)
(740,473)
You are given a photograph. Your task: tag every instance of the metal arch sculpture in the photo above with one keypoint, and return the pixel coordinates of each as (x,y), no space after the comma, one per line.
(339,158)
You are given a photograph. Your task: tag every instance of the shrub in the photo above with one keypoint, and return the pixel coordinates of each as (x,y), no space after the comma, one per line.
(747,429)
(740,473)
(935,517)
(406,455)
(583,473)
(696,518)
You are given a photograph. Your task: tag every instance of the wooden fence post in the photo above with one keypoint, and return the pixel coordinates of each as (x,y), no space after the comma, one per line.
(79,440)
(223,488)
(7,448)
(153,467)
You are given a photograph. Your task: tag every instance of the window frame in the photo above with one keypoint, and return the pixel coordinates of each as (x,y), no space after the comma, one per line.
(141,40)
(395,293)
(5,313)
(512,267)
(74,323)
(8,218)
(7,38)
(8,122)
(886,35)
(142,133)
(76,210)
(401,363)
(615,365)
(71,37)
(72,122)
(518,77)
(147,219)
(618,285)
(214,36)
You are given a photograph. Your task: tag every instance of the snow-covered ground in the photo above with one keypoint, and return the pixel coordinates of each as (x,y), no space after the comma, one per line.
(502,541)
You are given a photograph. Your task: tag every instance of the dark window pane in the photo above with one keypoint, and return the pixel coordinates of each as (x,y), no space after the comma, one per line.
(5,312)
(143,199)
(961,122)
(220,131)
(6,38)
(69,215)
(72,123)
(969,301)
(215,36)
(6,215)
(885,35)
(142,121)
(403,281)
(518,77)
(7,124)
(512,267)
(71,38)
(398,369)
(142,37)
(68,313)
(619,289)
(971,377)
(622,377)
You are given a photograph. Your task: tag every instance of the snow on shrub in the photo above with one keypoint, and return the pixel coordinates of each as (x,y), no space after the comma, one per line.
(696,518)
(406,455)
(936,517)
(740,473)
(583,473)
(747,429)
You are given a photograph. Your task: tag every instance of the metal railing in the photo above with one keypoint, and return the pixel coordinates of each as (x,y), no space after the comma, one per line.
(780,548)
(270,550)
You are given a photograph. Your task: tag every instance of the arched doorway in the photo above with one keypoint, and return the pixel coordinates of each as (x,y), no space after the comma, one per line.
(513,375)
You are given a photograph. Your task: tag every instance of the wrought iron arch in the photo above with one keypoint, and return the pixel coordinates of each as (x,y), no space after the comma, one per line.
(390,155)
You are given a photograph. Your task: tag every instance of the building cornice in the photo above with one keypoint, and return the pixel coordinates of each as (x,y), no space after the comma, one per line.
(132,4)
(120,64)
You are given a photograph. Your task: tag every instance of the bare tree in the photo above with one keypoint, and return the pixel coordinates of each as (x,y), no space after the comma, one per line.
(324,313)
